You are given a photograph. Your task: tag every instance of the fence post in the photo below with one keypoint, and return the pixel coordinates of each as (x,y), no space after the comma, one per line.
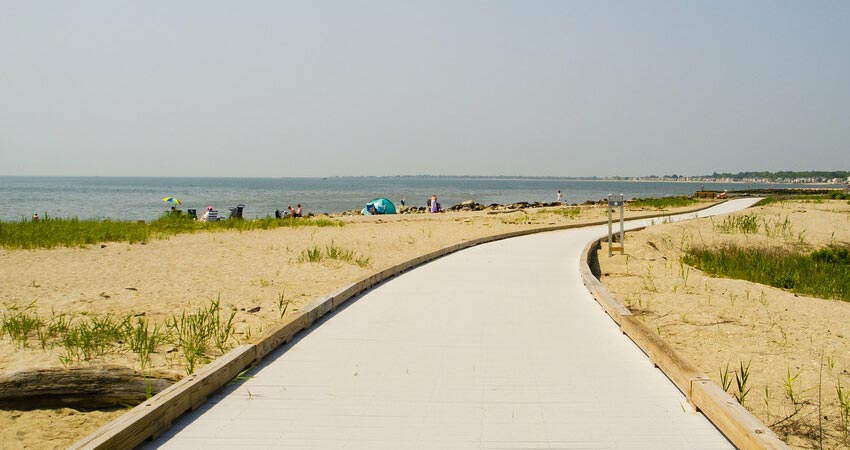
(613,202)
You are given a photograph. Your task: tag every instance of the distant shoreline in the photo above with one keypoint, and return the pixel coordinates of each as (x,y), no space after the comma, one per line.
(141,198)
(448,177)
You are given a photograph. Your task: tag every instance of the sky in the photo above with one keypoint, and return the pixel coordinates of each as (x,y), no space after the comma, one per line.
(461,87)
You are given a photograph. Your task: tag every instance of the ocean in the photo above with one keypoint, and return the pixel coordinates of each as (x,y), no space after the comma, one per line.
(140,198)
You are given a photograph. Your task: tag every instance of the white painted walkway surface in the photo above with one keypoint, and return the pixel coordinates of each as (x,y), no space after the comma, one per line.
(496,347)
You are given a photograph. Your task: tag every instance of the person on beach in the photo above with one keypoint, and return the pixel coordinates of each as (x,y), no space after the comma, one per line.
(35,217)
(290,211)
(434,206)
(298,211)
(210,215)
(560,198)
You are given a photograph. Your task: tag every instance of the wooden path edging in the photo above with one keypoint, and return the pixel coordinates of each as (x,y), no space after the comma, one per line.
(741,427)
(150,419)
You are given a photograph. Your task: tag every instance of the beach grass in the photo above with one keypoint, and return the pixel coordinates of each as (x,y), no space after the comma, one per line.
(200,335)
(333,252)
(823,273)
(661,203)
(73,232)
(742,223)
(834,195)
(569,212)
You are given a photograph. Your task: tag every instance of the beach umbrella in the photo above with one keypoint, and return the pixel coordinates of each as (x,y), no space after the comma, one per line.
(171,200)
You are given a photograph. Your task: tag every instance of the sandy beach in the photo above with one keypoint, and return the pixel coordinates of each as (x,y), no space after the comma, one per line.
(716,322)
(249,272)
(246,272)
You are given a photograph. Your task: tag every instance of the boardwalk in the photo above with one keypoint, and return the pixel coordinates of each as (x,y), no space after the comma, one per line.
(496,347)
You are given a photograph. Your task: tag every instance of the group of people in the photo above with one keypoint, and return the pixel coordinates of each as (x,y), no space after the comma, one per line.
(289,212)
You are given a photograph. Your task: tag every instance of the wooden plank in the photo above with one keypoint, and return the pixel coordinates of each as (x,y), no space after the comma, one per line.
(156,414)
(343,295)
(281,334)
(612,307)
(736,423)
(677,369)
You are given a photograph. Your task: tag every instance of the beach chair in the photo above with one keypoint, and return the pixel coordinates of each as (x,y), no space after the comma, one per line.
(236,213)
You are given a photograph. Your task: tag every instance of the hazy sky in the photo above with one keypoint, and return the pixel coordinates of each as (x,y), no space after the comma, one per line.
(320,88)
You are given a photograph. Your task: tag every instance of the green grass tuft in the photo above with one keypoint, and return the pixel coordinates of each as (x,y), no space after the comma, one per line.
(661,203)
(74,232)
(332,252)
(823,273)
(817,198)
(84,337)
(746,224)
(569,212)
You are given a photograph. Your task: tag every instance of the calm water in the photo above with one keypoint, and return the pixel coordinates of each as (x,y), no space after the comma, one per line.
(140,198)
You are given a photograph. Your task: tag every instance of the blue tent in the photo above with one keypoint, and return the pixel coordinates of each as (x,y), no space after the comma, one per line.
(378,206)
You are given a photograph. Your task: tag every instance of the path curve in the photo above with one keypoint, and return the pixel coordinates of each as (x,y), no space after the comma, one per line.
(497,346)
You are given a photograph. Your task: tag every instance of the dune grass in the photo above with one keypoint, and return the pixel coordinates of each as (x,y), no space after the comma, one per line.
(741,223)
(569,212)
(823,273)
(73,232)
(834,195)
(661,203)
(200,335)
(332,252)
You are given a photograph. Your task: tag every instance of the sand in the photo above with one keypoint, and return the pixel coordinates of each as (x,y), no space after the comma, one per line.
(714,322)
(245,271)
(252,269)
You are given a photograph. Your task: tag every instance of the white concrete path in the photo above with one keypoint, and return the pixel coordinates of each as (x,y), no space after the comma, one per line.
(496,347)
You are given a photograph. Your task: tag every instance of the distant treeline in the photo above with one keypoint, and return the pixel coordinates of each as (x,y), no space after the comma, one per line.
(823,175)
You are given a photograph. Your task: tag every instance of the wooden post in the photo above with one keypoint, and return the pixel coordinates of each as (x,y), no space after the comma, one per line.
(616,201)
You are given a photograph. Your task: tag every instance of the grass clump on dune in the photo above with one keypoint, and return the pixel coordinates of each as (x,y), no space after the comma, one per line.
(332,252)
(199,335)
(823,273)
(70,233)
(661,203)
(569,212)
(816,198)
(74,232)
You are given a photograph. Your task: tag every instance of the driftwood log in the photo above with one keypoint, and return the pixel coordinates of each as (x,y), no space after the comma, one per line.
(82,388)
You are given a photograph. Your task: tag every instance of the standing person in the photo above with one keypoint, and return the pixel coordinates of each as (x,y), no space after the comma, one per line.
(560,198)
(435,207)
(298,211)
